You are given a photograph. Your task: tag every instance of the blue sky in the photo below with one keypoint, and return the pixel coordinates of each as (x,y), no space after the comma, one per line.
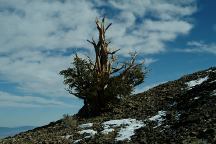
(38,39)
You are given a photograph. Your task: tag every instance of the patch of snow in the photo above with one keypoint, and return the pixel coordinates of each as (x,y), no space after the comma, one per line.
(196,98)
(67,136)
(89,132)
(118,97)
(196,82)
(117,123)
(87,137)
(105,86)
(127,130)
(177,116)
(213,93)
(211,70)
(107,130)
(173,104)
(212,81)
(87,125)
(158,118)
(77,141)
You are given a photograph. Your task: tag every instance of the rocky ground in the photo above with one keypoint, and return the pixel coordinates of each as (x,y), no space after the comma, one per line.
(181,111)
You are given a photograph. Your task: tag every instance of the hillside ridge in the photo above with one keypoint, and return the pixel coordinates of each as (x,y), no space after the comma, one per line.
(179,111)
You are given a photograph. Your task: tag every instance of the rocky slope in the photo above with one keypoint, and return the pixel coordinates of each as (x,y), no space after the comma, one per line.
(180,111)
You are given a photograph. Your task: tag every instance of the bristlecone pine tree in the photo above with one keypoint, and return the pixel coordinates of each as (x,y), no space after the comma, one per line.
(102,81)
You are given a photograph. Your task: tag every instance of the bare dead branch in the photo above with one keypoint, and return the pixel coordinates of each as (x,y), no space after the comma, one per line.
(117,69)
(97,23)
(112,53)
(108,26)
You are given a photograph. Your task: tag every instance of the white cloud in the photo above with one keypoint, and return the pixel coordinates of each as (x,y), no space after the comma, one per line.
(156,33)
(200,47)
(11,100)
(149,36)
(34,72)
(173,27)
(28,28)
(195,43)
(55,25)
(168,10)
(49,25)
(149,61)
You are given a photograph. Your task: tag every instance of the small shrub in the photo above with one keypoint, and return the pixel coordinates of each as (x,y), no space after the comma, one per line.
(69,121)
